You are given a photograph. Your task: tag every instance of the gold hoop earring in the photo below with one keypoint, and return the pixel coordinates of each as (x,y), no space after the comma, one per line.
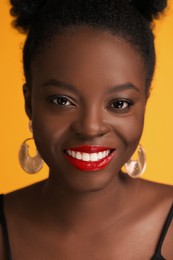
(30,164)
(135,168)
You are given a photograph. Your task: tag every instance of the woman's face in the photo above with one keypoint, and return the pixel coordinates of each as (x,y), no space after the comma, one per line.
(87,101)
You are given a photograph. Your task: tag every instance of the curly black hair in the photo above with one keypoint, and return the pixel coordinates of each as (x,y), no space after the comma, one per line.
(130,19)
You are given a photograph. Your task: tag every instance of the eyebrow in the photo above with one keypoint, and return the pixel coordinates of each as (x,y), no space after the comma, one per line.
(121,87)
(61,84)
(67,86)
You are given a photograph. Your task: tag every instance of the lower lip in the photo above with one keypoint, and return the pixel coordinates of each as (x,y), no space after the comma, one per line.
(89,166)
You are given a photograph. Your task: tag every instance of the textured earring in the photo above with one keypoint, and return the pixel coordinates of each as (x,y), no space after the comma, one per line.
(30,164)
(135,168)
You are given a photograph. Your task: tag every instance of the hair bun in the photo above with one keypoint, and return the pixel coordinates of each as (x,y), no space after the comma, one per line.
(150,9)
(25,11)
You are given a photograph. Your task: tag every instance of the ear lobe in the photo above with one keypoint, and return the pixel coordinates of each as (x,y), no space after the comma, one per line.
(27,97)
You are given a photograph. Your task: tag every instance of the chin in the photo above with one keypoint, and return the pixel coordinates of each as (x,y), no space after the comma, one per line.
(83,182)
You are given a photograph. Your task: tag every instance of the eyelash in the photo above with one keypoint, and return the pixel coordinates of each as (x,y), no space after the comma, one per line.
(58,99)
(116,105)
(120,105)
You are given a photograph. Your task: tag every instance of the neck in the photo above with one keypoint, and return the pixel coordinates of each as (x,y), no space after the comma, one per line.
(90,209)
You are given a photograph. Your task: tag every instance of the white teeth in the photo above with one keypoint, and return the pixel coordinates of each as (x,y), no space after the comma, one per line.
(93,157)
(100,155)
(78,156)
(70,153)
(104,154)
(88,157)
(73,154)
(85,157)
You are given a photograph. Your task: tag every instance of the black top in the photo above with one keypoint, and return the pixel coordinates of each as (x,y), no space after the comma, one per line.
(157,255)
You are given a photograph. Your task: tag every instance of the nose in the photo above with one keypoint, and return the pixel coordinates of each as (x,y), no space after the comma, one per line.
(90,124)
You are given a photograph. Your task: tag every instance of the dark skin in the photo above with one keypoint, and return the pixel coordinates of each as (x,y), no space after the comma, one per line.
(87,215)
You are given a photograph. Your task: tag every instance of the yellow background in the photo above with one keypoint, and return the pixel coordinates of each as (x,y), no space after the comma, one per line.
(158,133)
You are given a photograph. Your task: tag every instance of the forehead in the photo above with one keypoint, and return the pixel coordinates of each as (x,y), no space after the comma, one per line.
(83,53)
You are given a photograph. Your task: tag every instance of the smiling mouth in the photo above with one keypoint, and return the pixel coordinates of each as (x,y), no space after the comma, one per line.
(89,158)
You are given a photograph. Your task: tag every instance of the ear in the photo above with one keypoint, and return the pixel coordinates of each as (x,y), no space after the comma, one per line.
(27,97)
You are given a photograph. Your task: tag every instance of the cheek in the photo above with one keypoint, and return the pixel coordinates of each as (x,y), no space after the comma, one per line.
(49,132)
(128,130)
(133,130)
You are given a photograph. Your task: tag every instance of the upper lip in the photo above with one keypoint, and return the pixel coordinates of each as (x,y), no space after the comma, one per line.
(90,148)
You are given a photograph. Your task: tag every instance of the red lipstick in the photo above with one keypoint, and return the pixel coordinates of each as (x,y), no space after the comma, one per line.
(89,157)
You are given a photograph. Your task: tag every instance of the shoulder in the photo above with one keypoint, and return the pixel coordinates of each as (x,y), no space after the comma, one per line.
(20,203)
(24,194)
(18,210)
(156,193)
(153,201)
(164,209)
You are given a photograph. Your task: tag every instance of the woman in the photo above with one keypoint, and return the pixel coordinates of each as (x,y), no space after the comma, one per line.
(88,69)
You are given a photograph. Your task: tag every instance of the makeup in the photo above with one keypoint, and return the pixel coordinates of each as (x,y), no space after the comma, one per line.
(89,158)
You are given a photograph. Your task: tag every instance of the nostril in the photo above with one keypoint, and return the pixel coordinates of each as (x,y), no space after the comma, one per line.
(87,135)
(91,131)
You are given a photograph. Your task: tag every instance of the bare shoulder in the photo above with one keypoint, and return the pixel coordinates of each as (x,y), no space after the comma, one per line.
(155,202)
(165,197)
(20,204)
(18,208)
(23,195)
(154,199)
(157,193)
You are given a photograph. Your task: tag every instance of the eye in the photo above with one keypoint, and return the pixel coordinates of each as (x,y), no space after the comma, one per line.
(61,100)
(120,105)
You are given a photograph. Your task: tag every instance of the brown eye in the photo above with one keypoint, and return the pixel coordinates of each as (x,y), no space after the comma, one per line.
(121,105)
(60,100)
